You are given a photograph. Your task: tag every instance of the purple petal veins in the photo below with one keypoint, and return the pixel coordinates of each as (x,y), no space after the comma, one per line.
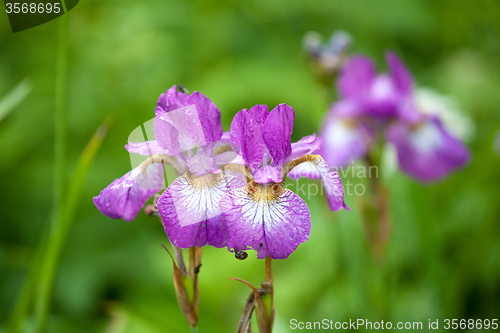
(190,211)
(272,224)
(277,132)
(426,151)
(125,196)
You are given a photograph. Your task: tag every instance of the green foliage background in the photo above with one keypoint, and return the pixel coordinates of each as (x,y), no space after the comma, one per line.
(443,259)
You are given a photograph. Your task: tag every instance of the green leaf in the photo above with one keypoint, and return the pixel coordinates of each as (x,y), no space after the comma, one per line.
(14,97)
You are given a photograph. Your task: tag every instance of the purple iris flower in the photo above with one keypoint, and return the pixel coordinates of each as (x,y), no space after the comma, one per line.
(263,215)
(346,139)
(383,106)
(374,95)
(426,150)
(189,137)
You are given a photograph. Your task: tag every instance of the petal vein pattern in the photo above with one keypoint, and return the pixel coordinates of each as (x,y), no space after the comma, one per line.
(271,224)
(190,209)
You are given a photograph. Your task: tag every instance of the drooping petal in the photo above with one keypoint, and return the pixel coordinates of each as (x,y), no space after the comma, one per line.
(277,132)
(125,196)
(190,211)
(330,179)
(400,75)
(209,116)
(344,140)
(244,133)
(426,151)
(271,224)
(356,78)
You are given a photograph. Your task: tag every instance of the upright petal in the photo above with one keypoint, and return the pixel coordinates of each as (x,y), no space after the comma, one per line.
(356,78)
(277,133)
(209,116)
(259,112)
(272,224)
(190,211)
(125,196)
(244,133)
(172,99)
(180,129)
(400,74)
(426,151)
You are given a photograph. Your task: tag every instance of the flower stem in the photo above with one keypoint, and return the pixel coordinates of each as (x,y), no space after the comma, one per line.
(267,286)
(376,212)
(269,272)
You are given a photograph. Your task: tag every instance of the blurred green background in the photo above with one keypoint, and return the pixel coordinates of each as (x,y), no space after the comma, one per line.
(443,259)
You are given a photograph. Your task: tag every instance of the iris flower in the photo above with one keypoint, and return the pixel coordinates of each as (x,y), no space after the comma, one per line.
(263,215)
(189,138)
(383,105)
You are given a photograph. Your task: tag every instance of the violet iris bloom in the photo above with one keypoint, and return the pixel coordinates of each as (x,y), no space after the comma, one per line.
(189,137)
(383,105)
(263,215)
(426,150)
(375,95)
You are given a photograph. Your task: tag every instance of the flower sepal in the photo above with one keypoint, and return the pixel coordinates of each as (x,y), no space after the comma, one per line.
(186,284)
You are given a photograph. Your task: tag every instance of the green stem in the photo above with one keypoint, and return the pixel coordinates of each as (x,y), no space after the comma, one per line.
(57,233)
(60,115)
(193,329)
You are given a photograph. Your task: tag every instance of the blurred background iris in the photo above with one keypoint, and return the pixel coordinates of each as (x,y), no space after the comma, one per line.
(442,260)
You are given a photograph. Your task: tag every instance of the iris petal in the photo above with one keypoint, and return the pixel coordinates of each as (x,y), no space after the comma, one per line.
(190,211)
(277,132)
(145,148)
(246,134)
(307,145)
(344,140)
(125,196)
(426,151)
(400,75)
(271,224)
(331,180)
(356,78)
